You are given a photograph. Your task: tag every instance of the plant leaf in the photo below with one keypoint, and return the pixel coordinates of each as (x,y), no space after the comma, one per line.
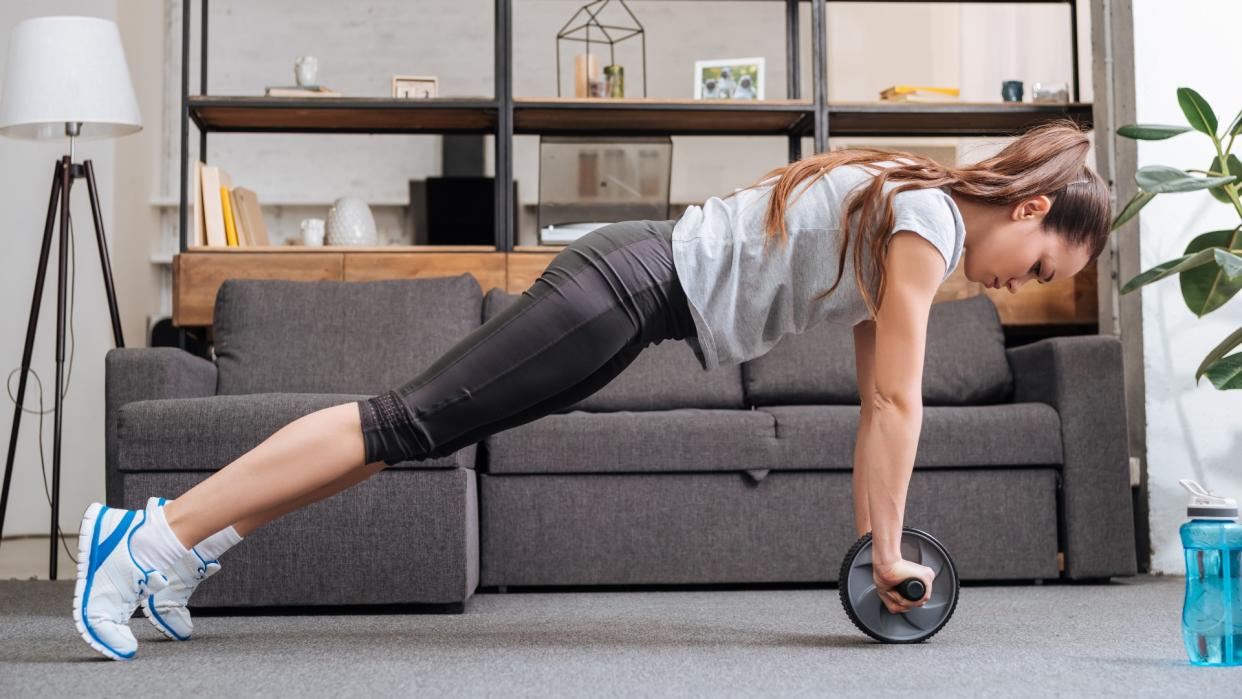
(1229,263)
(1235,127)
(1234,339)
(1235,169)
(1151,132)
(1162,178)
(1206,288)
(1198,112)
(1226,373)
(1169,268)
(1132,208)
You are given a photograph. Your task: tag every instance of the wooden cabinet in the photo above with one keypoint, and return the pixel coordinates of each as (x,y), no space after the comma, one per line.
(487,267)
(197,276)
(1070,301)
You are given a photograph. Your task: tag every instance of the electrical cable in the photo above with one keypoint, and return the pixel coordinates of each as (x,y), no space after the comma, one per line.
(73,273)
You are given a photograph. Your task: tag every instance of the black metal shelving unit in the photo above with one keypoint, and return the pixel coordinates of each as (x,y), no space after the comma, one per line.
(503,115)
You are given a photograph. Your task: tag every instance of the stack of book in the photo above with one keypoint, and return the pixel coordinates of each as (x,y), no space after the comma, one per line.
(919,93)
(224,215)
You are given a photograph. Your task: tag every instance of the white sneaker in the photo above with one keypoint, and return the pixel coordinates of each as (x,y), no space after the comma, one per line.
(110,584)
(166,609)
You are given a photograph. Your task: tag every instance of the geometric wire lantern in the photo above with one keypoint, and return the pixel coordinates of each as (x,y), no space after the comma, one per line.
(592,11)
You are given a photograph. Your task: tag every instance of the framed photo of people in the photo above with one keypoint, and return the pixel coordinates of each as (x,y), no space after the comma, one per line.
(729,78)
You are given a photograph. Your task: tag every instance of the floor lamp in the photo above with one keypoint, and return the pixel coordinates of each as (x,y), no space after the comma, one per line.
(65,77)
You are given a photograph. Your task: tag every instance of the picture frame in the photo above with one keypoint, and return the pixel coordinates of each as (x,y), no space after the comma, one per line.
(415,86)
(729,78)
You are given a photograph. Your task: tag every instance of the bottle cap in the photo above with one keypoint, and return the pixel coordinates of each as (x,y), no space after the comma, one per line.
(1205,504)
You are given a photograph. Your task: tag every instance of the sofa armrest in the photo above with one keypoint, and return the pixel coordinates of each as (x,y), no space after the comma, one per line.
(1082,378)
(146,373)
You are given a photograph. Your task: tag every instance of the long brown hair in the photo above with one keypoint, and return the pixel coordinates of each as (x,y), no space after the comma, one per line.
(1048,159)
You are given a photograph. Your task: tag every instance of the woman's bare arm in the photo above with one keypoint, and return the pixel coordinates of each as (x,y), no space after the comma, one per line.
(886,446)
(864,357)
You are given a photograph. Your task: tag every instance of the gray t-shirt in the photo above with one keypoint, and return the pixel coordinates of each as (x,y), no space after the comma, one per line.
(744,300)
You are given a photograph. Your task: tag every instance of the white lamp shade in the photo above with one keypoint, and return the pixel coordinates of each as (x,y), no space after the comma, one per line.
(67,69)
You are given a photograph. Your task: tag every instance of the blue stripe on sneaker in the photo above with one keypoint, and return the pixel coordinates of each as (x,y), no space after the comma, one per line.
(145,573)
(93,565)
(155,613)
(200,557)
(113,539)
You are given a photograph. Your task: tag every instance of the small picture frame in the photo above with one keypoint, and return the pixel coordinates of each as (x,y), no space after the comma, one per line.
(729,78)
(414,86)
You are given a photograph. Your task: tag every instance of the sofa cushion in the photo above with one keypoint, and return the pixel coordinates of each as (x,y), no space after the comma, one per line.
(689,439)
(664,376)
(206,434)
(1015,434)
(964,362)
(790,437)
(279,336)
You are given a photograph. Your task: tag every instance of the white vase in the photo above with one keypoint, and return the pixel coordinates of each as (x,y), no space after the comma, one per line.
(350,223)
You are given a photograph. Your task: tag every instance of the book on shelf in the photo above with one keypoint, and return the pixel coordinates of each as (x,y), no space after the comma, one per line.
(243,236)
(213,213)
(297,91)
(919,93)
(230,228)
(197,235)
(251,216)
(231,216)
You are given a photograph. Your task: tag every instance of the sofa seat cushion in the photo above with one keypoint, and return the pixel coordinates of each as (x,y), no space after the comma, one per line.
(688,439)
(1016,434)
(964,362)
(664,376)
(206,434)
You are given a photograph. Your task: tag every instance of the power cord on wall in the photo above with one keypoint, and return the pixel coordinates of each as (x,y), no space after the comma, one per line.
(68,372)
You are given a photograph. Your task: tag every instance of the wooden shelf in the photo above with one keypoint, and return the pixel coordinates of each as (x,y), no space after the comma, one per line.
(303,249)
(947,118)
(648,116)
(169,203)
(344,114)
(538,248)
(620,117)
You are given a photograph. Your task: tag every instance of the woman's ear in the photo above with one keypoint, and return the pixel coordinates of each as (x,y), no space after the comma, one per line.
(1033,207)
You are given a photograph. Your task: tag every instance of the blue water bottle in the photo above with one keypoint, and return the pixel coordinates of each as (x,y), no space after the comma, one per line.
(1212,612)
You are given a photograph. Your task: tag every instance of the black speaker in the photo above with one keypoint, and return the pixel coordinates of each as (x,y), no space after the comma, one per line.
(461,210)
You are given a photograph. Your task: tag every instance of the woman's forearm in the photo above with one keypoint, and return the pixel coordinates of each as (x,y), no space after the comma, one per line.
(885,449)
(862,510)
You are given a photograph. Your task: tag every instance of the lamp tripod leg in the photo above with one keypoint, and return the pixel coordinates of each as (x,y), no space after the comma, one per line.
(117,336)
(31,327)
(66,183)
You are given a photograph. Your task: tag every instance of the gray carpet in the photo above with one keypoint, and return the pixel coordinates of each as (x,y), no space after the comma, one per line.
(1117,639)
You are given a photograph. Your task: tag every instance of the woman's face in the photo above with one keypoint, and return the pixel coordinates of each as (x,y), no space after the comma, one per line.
(1006,246)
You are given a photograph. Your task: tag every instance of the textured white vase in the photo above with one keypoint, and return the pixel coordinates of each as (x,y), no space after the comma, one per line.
(350,223)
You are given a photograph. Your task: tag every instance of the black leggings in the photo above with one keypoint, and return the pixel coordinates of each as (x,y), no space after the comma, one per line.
(601,300)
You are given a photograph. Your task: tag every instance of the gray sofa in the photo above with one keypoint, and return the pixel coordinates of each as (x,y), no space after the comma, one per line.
(669,475)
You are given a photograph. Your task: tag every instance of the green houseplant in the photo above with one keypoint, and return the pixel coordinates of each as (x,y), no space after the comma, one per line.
(1211,268)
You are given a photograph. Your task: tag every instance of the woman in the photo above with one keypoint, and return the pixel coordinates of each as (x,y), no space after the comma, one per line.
(857,237)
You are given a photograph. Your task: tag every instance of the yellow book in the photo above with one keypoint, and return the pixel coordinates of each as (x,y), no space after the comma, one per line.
(230,231)
(897,92)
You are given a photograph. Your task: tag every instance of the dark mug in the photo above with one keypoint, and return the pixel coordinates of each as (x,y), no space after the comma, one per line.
(1011,90)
